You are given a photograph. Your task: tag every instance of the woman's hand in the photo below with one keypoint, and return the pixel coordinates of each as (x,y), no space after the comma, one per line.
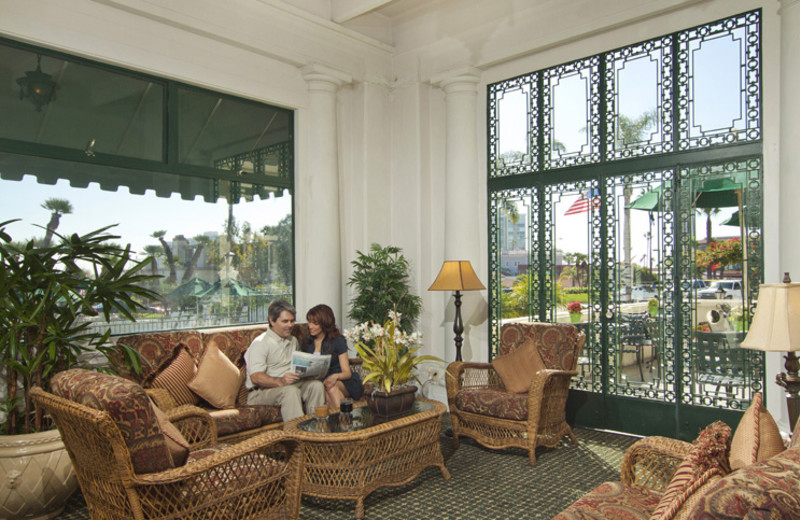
(330,381)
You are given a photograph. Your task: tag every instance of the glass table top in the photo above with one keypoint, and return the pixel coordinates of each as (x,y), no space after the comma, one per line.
(362,418)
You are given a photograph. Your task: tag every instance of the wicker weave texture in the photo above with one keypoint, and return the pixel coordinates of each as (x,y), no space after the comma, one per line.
(257,478)
(545,423)
(351,465)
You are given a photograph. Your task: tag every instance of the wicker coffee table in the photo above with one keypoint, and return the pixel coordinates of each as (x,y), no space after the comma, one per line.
(350,465)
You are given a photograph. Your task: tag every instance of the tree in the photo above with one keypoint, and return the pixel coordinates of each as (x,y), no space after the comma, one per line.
(58,207)
(709,236)
(173,274)
(202,241)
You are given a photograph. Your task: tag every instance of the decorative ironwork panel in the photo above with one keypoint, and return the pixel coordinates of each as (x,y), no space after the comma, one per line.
(571,108)
(639,100)
(719,83)
(715,370)
(513,142)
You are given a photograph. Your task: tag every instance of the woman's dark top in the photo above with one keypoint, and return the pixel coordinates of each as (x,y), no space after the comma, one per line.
(335,347)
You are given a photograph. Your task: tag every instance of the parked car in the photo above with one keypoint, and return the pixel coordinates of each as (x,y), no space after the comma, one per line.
(731,289)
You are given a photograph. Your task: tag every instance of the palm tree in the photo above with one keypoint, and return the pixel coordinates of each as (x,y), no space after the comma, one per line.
(173,275)
(202,241)
(58,207)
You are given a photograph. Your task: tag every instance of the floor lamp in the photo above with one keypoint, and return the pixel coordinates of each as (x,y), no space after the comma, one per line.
(457,275)
(776,328)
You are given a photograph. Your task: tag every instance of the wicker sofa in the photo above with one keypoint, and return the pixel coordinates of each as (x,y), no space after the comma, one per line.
(747,476)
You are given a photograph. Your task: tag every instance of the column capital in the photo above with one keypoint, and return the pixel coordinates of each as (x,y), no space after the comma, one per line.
(786,3)
(320,76)
(461,79)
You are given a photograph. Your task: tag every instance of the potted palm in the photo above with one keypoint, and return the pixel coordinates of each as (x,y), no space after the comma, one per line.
(389,364)
(51,297)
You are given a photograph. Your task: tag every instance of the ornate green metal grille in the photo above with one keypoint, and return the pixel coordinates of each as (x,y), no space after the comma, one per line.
(600,178)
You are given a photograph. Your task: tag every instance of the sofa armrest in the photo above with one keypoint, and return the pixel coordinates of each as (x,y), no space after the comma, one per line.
(162,398)
(195,424)
(651,462)
(465,375)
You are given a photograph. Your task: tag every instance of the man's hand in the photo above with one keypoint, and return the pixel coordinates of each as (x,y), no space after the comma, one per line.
(290,378)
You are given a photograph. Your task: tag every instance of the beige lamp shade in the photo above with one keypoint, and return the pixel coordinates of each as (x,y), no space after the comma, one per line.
(776,323)
(457,275)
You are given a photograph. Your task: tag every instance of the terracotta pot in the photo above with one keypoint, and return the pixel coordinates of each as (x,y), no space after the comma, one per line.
(36,476)
(395,403)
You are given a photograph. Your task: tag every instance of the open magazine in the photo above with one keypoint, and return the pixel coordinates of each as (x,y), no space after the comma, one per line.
(310,365)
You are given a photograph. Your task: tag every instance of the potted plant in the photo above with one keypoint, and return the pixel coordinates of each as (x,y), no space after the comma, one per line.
(574,309)
(389,363)
(50,300)
(381,281)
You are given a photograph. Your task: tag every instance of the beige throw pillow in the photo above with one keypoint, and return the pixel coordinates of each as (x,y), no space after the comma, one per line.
(516,369)
(176,443)
(757,436)
(217,380)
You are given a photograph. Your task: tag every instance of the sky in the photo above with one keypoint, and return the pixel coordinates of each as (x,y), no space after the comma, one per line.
(138,216)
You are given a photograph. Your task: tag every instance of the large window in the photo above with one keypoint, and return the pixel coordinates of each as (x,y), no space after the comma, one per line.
(630,182)
(200,181)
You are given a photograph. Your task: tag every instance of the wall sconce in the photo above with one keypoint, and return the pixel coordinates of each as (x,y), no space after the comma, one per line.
(36,86)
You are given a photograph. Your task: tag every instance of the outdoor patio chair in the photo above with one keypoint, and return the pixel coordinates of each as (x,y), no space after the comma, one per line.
(519,399)
(132,462)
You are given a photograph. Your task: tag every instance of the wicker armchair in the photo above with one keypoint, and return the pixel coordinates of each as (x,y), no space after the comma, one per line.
(482,408)
(127,469)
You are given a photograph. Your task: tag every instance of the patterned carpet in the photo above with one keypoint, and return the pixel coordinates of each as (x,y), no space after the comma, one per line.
(485,484)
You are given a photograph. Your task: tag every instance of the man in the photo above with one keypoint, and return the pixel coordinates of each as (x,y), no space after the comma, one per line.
(269,361)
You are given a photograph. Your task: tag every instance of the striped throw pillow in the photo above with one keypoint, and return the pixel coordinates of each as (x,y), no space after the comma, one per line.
(175,377)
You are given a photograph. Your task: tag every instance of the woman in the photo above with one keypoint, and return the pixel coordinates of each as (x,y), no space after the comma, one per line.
(325,339)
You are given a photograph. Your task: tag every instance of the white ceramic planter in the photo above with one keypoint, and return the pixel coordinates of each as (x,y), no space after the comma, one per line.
(36,476)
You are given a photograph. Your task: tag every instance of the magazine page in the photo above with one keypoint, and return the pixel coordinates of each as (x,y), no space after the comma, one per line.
(310,365)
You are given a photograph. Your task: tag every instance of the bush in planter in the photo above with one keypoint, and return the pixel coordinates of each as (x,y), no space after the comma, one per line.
(48,295)
(381,281)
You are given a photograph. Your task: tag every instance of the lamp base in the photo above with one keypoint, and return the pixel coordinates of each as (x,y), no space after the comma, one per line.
(790,381)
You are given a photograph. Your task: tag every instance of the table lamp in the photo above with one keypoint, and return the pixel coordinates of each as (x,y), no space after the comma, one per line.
(457,275)
(776,328)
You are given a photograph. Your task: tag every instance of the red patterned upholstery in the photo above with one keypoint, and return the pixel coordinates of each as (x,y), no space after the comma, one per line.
(482,408)
(157,347)
(236,420)
(612,501)
(232,341)
(129,407)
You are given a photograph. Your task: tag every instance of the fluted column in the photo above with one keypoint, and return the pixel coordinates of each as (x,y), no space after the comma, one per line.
(462,192)
(319,277)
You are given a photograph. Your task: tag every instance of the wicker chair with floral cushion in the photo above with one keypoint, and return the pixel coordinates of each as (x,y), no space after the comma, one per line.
(519,399)
(133,463)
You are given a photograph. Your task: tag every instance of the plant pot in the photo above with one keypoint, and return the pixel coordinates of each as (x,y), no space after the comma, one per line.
(575,317)
(396,402)
(37,476)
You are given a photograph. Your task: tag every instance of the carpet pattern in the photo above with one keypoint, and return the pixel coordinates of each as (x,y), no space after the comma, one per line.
(485,484)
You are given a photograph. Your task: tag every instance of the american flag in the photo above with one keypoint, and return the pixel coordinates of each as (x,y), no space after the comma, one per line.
(583,204)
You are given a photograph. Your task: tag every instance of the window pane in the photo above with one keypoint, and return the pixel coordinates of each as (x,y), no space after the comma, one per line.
(119,114)
(219,274)
(236,135)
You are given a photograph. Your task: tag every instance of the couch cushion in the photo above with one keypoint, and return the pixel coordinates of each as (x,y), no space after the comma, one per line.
(757,436)
(128,406)
(237,420)
(517,368)
(217,379)
(556,342)
(156,348)
(495,403)
(176,442)
(612,501)
(232,341)
(175,375)
(707,459)
(734,496)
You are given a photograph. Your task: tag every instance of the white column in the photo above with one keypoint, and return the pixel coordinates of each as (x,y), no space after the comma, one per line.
(789,179)
(319,270)
(463,189)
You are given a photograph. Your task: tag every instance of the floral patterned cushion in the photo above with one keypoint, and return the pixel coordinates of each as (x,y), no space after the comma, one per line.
(232,341)
(155,348)
(128,406)
(612,501)
(733,497)
(237,420)
(557,343)
(495,403)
